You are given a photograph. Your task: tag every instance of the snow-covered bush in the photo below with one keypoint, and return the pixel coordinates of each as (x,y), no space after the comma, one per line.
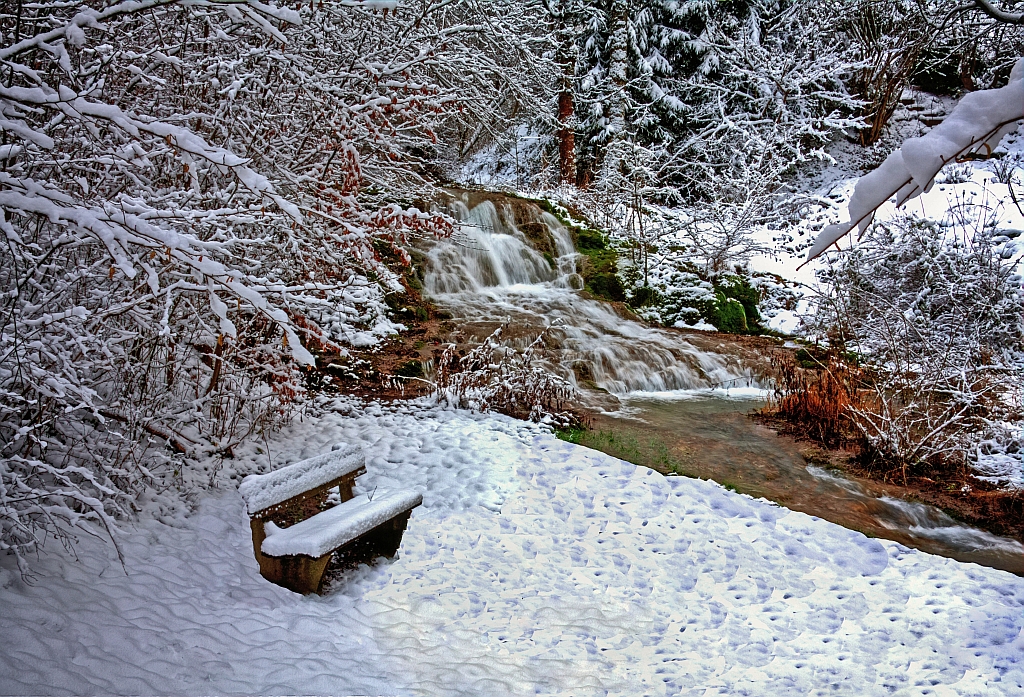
(937,315)
(680,298)
(999,457)
(719,232)
(1006,168)
(494,376)
(957,173)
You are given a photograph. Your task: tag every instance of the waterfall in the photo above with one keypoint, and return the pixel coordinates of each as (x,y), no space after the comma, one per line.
(489,272)
(486,252)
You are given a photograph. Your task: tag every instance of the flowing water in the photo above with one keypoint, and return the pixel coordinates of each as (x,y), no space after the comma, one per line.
(663,397)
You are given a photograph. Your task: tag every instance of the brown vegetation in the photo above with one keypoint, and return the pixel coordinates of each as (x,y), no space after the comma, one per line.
(824,397)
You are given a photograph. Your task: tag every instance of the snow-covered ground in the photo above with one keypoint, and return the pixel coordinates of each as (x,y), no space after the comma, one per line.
(533,567)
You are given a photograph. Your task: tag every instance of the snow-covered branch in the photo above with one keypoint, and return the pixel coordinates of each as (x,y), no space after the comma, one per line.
(976,125)
(998,13)
(197,199)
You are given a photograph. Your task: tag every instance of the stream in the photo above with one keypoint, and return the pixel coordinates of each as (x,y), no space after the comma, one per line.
(676,402)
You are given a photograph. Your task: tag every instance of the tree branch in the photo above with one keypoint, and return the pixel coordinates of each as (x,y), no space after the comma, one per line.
(998,13)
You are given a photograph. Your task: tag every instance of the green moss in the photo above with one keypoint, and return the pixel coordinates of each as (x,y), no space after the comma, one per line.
(587,239)
(598,265)
(739,289)
(814,357)
(410,369)
(644,297)
(728,315)
(605,285)
(806,359)
(570,435)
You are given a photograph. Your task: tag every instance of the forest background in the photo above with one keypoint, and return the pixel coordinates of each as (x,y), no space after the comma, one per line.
(202,196)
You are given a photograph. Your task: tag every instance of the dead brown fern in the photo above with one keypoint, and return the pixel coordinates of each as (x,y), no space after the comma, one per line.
(816,400)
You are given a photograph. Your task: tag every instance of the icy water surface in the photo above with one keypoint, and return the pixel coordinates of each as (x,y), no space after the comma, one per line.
(673,413)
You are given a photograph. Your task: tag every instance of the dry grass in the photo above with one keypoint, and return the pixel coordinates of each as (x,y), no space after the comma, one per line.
(819,401)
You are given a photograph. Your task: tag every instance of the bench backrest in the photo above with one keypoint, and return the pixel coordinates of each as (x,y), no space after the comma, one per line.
(266,491)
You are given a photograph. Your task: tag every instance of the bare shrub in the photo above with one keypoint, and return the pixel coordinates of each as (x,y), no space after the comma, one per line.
(1006,167)
(938,315)
(888,41)
(818,400)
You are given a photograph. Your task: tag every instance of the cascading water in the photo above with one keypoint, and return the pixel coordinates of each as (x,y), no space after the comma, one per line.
(489,271)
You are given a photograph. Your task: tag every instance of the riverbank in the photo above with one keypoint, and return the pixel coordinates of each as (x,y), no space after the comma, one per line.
(965,498)
(496,274)
(718,436)
(746,452)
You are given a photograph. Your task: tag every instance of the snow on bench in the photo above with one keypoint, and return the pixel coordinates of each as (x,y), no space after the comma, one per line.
(263,491)
(338,526)
(296,530)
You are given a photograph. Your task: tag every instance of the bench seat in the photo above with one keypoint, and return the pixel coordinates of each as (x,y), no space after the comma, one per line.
(359,530)
(336,527)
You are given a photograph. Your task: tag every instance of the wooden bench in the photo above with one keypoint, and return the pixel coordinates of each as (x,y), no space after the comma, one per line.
(296,528)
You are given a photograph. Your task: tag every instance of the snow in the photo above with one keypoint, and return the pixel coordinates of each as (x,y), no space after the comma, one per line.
(533,566)
(260,491)
(699,325)
(1001,460)
(337,526)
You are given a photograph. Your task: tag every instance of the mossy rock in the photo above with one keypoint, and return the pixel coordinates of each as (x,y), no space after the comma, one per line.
(606,285)
(582,371)
(738,288)
(589,239)
(539,236)
(728,315)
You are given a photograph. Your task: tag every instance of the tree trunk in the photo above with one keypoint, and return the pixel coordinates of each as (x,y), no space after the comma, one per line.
(566,138)
(618,76)
(566,58)
(618,62)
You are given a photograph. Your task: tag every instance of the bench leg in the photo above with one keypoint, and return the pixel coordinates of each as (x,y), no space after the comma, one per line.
(305,575)
(297,573)
(383,541)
